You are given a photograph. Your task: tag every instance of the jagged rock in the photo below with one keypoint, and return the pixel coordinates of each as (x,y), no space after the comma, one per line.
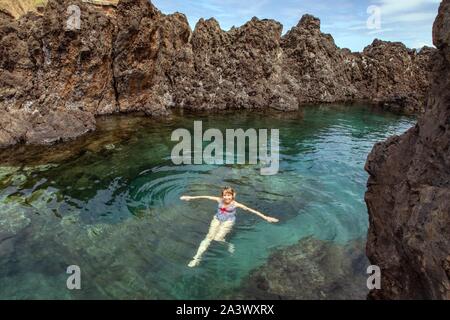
(240,68)
(409,190)
(397,77)
(151,50)
(131,57)
(55,80)
(317,69)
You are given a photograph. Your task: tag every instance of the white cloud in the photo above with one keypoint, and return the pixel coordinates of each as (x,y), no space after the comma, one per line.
(379,31)
(392,7)
(409,21)
(414,17)
(236,7)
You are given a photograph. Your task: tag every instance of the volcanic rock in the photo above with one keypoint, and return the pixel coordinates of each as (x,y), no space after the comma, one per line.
(125,57)
(409,190)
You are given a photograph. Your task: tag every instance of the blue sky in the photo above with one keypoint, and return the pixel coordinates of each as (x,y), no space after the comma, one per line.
(409,21)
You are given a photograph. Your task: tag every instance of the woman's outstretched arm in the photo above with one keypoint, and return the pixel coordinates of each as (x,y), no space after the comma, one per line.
(267,218)
(187,198)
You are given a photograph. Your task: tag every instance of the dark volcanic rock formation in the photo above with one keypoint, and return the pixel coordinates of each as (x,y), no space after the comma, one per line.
(396,77)
(54,80)
(310,269)
(131,57)
(151,55)
(240,68)
(317,69)
(409,191)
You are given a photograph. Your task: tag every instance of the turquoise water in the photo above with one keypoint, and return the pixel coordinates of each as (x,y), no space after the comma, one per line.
(109,203)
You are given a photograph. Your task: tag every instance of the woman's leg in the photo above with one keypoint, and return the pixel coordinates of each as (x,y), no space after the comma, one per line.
(223,231)
(213,229)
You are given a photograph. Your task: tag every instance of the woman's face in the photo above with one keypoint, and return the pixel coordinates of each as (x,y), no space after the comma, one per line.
(227,197)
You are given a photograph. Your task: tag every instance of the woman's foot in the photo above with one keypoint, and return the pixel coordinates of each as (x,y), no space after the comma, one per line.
(194,263)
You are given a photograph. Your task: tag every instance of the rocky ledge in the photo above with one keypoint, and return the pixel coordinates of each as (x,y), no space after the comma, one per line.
(409,190)
(130,57)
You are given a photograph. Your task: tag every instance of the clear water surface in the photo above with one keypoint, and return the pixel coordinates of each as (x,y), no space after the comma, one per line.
(109,203)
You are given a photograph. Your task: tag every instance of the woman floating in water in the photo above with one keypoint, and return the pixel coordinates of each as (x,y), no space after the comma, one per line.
(223,220)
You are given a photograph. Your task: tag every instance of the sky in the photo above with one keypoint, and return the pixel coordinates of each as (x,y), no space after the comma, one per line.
(353,24)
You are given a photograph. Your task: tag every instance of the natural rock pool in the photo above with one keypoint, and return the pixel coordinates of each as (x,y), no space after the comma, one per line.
(109,203)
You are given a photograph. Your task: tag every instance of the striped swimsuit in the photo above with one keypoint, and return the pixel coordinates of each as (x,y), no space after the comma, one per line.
(226,213)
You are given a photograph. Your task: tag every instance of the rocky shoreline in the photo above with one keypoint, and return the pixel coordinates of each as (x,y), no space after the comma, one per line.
(130,57)
(409,190)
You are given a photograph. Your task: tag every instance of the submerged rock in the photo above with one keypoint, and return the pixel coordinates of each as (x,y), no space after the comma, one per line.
(12,219)
(5,172)
(130,57)
(409,190)
(310,269)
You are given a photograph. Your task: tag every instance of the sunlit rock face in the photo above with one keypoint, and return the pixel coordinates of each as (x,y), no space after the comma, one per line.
(18,8)
(409,191)
(128,56)
(55,79)
(151,55)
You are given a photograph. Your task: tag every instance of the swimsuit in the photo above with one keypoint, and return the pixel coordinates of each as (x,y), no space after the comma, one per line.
(226,213)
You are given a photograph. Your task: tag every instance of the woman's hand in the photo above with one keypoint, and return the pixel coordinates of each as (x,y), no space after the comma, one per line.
(187,198)
(271,220)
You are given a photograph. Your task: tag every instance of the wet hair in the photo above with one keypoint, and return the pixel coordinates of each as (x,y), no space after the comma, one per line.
(229,190)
